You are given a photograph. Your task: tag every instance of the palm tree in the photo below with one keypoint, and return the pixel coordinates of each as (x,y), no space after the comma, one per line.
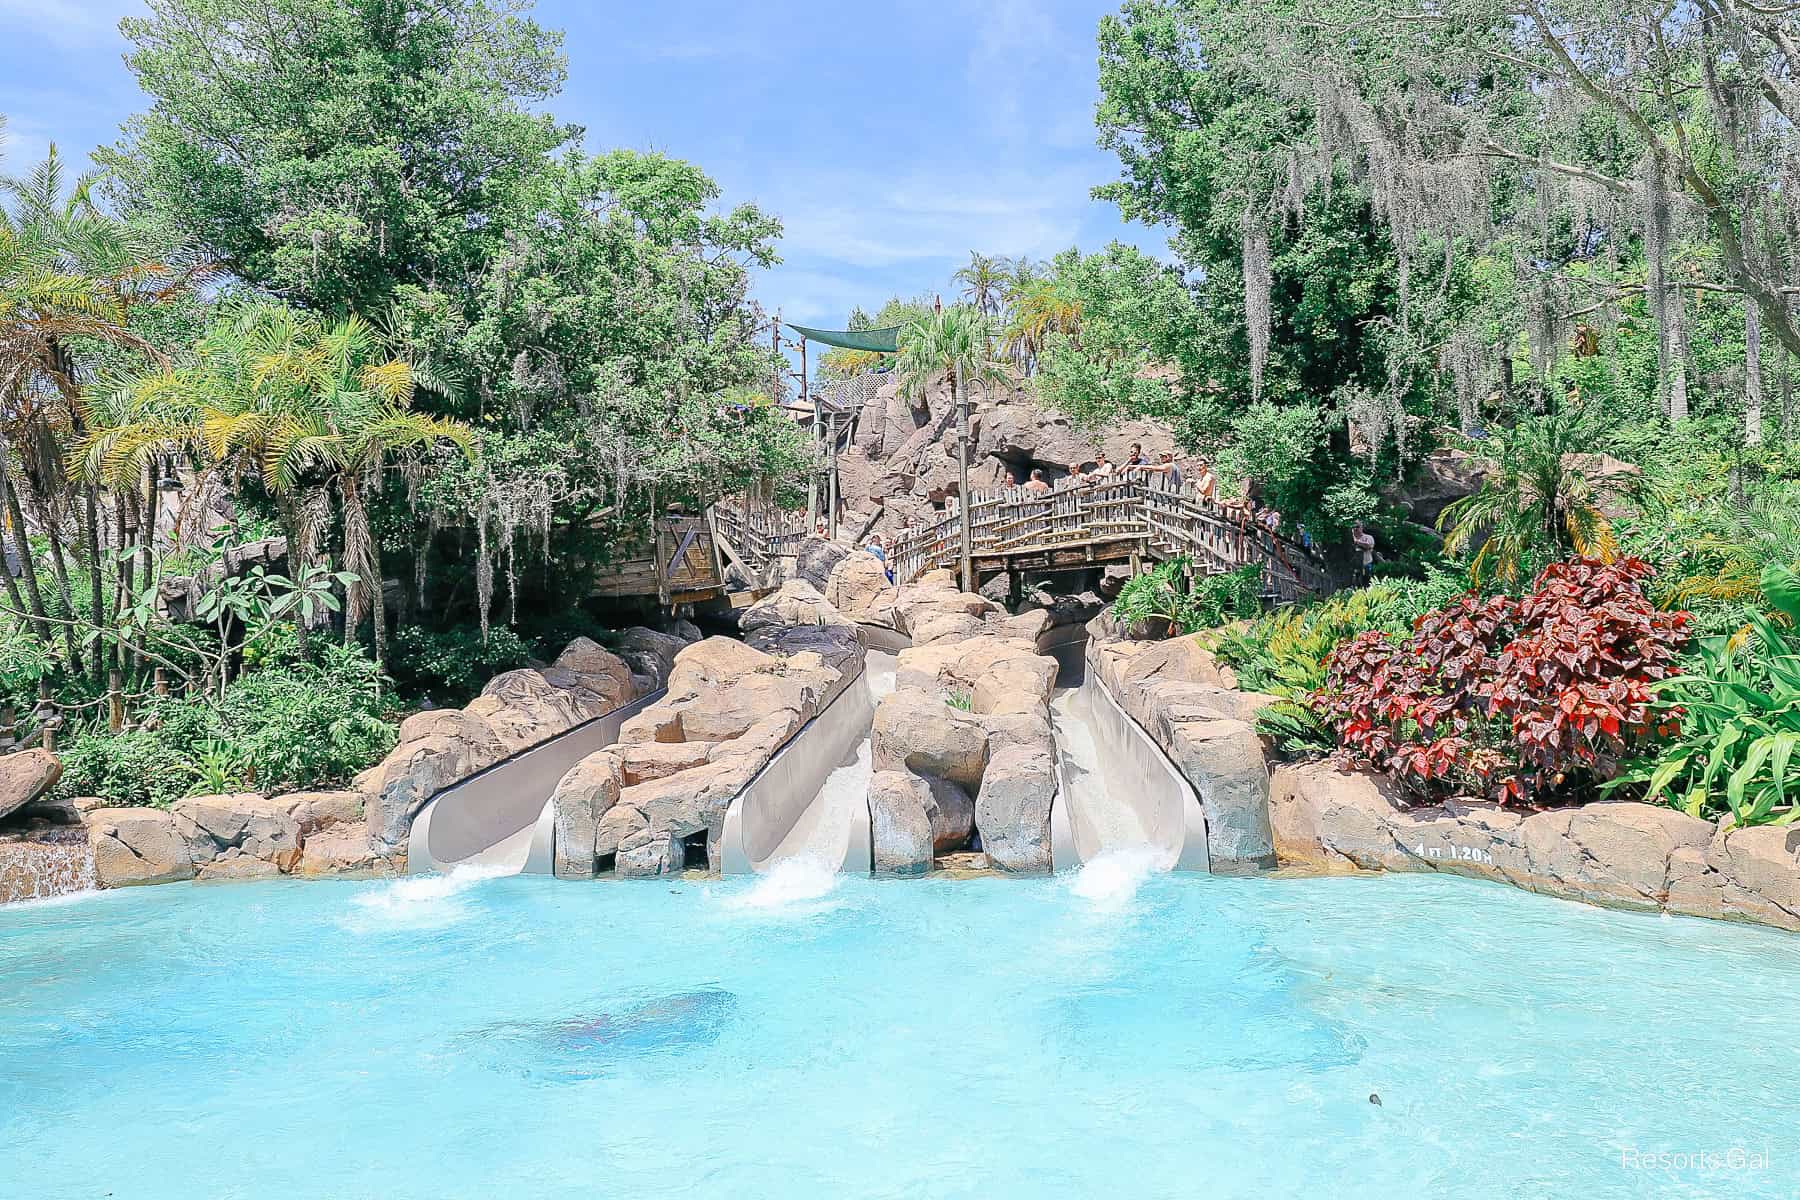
(307,409)
(1544,498)
(953,342)
(1039,307)
(68,273)
(984,282)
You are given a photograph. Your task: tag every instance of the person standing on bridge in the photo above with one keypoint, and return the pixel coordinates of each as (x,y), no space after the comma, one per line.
(1168,469)
(876,547)
(1036,485)
(1102,469)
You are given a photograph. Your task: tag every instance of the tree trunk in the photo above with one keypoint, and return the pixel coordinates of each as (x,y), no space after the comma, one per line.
(59,570)
(96,582)
(296,561)
(22,546)
(1753,392)
(1678,349)
(960,397)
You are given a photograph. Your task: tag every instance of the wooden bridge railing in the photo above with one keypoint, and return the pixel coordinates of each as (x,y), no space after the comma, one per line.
(1105,522)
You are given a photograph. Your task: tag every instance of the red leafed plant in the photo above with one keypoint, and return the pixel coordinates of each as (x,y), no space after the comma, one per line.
(1524,699)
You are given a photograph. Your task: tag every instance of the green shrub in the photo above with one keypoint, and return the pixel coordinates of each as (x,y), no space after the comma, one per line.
(1283,653)
(450,666)
(284,727)
(1161,600)
(1737,711)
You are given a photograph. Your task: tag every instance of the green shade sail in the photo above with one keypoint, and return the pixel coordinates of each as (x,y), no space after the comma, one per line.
(881,341)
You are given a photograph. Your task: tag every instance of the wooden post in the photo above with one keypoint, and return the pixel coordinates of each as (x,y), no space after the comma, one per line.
(48,718)
(9,729)
(962,476)
(115,701)
(818,441)
(161,684)
(832,520)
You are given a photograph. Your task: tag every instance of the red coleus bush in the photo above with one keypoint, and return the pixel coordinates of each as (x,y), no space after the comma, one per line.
(1514,699)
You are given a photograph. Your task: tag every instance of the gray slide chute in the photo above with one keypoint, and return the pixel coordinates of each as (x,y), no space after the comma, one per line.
(501,817)
(812,800)
(1117,790)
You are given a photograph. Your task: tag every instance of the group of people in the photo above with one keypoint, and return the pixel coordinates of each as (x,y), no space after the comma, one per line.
(1244,511)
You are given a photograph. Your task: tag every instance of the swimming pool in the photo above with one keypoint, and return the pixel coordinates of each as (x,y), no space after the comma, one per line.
(798,1036)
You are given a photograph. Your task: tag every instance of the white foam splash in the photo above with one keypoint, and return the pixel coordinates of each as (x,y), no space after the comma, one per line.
(426,900)
(1111,879)
(794,885)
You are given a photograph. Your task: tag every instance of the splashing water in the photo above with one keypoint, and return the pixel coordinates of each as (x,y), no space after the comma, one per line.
(1111,879)
(424,901)
(795,885)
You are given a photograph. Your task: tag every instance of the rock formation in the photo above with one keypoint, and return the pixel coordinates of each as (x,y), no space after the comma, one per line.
(643,806)
(963,746)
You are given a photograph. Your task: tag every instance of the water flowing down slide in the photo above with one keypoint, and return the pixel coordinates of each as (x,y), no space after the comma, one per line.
(1117,792)
(811,803)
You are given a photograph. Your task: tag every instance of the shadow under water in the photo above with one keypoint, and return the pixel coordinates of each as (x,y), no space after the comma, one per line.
(584,1047)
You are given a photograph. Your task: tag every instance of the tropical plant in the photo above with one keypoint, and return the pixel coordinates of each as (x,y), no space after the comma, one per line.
(1738,709)
(1521,700)
(1543,499)
(952,343)
(984,282)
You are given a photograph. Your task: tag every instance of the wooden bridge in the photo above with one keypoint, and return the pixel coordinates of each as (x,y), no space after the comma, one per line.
(1012,531)
(1121,520)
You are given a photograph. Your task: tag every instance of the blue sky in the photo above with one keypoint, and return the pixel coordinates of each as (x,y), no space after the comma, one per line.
(891,139)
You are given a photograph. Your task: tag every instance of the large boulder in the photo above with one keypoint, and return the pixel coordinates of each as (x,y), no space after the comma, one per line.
(796,602)
(722,713)
(314,811)
(1224,761)
(532,704)
(900,823)
(859,590)
(713,663)
(436,749)
(650,653)
(1012,809)
(345,850)
(24,777)
(134,846)
(651,852)
(837,646)
(694,800)
(918,733)
(603,675)
(259,826)
(582,797)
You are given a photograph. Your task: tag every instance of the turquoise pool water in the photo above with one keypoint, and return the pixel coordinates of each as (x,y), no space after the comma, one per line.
(1107,1035)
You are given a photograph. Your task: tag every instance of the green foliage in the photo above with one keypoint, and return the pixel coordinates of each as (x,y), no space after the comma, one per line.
(334,150)
(1284,652)
(285,727)
(1545,499)
(1161,601)
(451,666)
(1133,353)
(1738,715)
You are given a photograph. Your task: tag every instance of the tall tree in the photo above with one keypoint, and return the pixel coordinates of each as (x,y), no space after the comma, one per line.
(333,150)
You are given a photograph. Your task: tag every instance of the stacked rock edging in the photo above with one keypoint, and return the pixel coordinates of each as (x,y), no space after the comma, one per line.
(363,829)
(633,807)
(1190,705)
(942,772)
(1616,854)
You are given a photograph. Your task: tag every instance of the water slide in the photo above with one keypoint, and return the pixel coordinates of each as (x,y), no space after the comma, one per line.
(500,818)
(812,800)
(1117,792)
